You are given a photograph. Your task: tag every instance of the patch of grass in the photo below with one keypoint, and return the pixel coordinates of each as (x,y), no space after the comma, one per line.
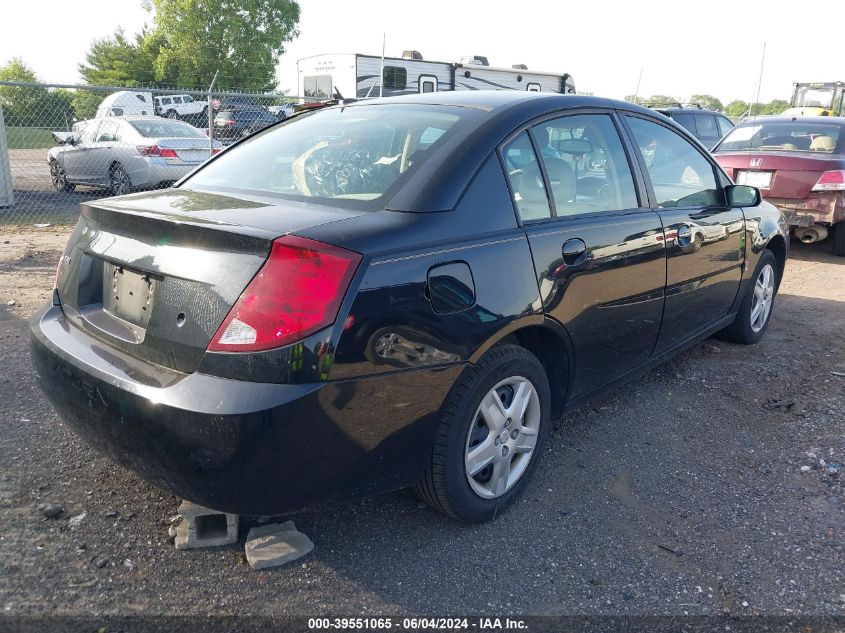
(29,138)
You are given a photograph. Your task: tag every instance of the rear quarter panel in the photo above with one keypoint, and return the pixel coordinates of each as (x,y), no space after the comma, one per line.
(392,297)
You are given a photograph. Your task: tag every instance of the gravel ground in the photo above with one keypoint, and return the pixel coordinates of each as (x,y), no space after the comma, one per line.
(702,488)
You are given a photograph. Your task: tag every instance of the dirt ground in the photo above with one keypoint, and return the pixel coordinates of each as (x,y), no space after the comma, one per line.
(708,486)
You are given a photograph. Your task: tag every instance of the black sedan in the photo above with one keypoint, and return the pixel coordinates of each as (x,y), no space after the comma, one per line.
(402,292)
(231,125)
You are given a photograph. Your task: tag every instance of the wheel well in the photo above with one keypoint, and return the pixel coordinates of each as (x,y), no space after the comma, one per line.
(553,354)
(778,247)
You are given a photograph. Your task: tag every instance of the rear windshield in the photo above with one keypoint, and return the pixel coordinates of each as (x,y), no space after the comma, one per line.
(166,128)
(791,136)
(353,156)
(252,115)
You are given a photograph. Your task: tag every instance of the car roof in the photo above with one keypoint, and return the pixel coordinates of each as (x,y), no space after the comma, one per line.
(502,99)
(676,110)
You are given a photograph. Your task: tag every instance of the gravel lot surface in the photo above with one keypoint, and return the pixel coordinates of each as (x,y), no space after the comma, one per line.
(708,486)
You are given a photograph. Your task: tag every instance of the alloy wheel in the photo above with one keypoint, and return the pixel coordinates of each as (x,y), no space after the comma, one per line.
(119,181)
(761,301)
(58,176)
(502,437)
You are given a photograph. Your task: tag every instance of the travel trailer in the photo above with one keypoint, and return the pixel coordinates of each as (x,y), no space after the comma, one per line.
(126,103)
(359,76)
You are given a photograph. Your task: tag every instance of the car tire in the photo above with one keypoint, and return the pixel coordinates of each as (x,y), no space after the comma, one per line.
(839,239)
(171,114)
(497,379)
(58,178)
(119,181)
(748,328)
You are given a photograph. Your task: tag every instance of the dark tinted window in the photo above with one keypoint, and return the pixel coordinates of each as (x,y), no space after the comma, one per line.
(586,164)
(253,115)
(684,119)
(680,175)
(725,125)
(395,78)
(706,125)
(354,155)
(526,179)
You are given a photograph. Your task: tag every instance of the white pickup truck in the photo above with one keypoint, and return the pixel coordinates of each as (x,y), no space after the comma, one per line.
(178,106)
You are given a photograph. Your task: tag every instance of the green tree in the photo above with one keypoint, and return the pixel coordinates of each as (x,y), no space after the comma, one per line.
(736,108)
(707,101)
(776,106)
(20,104)
(86,102)
(117,61)
(242,39)
(32,107)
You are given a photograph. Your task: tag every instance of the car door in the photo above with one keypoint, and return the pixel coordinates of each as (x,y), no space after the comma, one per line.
(598,251)
(77,158)
(103,152)
(705,246)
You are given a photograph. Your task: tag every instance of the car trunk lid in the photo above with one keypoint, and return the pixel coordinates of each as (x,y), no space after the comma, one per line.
(788,175)
(155,274)
(188,150)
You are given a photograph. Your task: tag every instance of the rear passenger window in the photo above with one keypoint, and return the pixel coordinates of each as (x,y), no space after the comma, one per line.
(680,175)
(586,164)
(526,180)
(725,125)
(685,120)
(706,124)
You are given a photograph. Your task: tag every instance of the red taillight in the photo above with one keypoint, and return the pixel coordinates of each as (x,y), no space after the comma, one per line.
(155,150)
(833,180)
(215,150)
(297,292)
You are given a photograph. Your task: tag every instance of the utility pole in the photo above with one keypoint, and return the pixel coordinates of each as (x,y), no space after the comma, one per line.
(211,117)
(381,81)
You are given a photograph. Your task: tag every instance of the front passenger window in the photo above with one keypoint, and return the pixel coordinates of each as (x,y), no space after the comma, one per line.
(526,180)
(680,175)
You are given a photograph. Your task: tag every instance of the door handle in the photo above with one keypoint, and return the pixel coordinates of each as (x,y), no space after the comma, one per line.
(573,251)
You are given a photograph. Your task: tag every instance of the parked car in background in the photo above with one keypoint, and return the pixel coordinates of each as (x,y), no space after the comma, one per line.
(230,125)
(125,153)
(397,292)
(705,125)
(126,103)
(799,165)
(180,106)
(234,103)
(281,112)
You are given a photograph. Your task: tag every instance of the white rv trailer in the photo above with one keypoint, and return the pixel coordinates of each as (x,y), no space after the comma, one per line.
(353,75)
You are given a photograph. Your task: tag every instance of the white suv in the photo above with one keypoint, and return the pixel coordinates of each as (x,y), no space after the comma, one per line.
(176,106)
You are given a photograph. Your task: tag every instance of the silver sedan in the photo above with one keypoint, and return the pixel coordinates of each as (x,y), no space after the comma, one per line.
(126,153)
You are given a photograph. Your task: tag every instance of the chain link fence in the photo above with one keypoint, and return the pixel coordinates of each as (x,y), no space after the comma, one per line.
(63,144)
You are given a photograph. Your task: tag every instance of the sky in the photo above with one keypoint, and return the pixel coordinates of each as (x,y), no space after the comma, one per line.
(682,48)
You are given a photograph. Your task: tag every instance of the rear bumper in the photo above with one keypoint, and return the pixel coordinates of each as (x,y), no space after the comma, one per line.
(824,207)
(153,171)
(236,446)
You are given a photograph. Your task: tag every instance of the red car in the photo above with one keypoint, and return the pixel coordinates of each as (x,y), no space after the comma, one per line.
(798,163)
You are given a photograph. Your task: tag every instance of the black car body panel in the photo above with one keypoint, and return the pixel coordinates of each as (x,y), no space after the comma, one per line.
(447,270)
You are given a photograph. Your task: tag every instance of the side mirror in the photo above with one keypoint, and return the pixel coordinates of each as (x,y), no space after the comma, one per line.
(64,138)
(743,196)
